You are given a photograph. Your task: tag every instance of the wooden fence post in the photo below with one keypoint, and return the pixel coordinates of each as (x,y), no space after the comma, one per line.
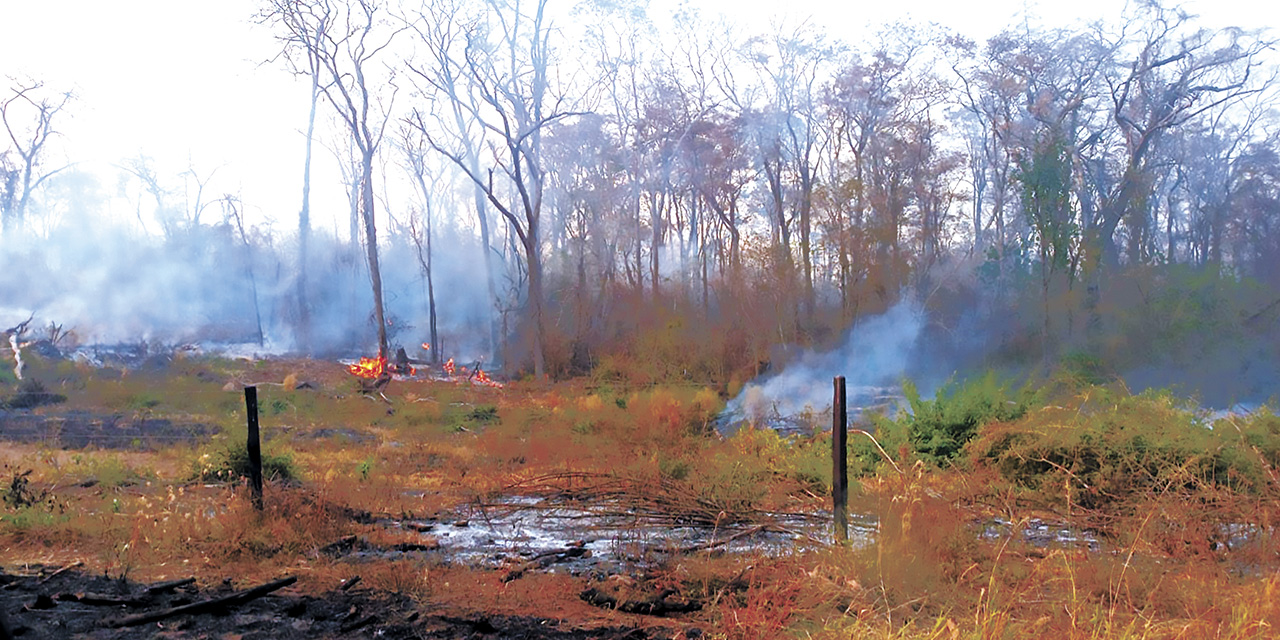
(840,461)
(254,447)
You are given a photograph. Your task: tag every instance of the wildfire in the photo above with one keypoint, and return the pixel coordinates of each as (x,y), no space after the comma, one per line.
(483,378)
(426,346)
(368,367)
(461,374)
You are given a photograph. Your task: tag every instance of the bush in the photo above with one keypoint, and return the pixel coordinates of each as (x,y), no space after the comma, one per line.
(937,430)
(233,462)
(31,394)
(1107,447)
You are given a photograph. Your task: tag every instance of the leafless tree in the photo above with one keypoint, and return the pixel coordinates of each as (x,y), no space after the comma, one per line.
(1176,73)
(420,227)
(442,27)
(506,87)
(303,26)
(27,113)
(344,39)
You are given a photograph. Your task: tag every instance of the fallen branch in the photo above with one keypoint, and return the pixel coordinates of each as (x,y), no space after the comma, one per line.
(204,606)
(352,626)
(347,584)
(105,600)
(73,565)
(161,587)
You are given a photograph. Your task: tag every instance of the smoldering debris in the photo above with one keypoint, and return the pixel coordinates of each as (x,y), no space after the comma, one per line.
(873,357)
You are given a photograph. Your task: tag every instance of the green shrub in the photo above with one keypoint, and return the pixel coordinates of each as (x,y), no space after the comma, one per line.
(142,401)
(233,462)
(1108,446)
(112,471)
(937,430)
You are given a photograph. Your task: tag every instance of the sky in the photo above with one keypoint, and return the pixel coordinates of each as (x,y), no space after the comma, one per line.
(190,83)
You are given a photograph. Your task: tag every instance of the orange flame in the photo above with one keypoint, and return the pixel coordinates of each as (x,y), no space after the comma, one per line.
(449,367)
(426,346)
(368,367)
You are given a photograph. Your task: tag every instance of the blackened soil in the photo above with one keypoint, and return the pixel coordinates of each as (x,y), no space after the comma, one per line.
(80,429)
(57,608)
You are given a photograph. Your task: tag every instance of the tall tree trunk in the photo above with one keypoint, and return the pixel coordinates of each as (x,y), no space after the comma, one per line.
(303,336)
(371,248)
(656,204)
(482,215)
(534,261)
(806,252)
(431,295)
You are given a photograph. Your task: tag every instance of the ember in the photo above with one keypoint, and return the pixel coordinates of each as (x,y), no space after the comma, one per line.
(368,367)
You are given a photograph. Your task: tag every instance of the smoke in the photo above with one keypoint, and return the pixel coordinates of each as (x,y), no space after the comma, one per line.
(202,284)
(876,352)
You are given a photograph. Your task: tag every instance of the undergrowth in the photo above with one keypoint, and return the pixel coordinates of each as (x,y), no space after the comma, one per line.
(1171,513)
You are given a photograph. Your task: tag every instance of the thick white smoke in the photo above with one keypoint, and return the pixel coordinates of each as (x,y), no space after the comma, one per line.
(875,353)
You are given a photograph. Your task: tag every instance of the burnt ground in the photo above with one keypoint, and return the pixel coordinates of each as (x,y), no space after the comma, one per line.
(81,429)
(41,605)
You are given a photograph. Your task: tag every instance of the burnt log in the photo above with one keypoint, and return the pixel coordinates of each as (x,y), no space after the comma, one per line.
(204,606)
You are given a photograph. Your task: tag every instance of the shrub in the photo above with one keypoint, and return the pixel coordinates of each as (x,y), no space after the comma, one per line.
(233,462)
(937,430)
(1108,447)
(31,394)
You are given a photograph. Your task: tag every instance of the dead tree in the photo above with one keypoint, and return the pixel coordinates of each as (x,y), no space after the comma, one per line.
(504,85)
(345,51)
(16,344)
(27,115)
(421,231)
(303,26)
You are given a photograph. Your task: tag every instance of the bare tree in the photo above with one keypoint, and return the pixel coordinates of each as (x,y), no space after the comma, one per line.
(420,227)
(790,64)
(1177,73)
(442,27)
(345,39)
(232,211)
(508,90)
(28,114)
(303,27)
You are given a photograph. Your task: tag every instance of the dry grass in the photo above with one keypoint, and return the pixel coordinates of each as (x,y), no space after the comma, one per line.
(1164,569)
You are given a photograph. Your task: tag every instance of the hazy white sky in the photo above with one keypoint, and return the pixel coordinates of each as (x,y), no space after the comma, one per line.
(179,79)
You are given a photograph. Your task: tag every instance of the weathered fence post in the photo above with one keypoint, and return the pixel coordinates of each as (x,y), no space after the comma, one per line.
(840,461)
(254,447)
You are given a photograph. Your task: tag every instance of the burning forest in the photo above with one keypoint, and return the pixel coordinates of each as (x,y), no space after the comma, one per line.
(512,320)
